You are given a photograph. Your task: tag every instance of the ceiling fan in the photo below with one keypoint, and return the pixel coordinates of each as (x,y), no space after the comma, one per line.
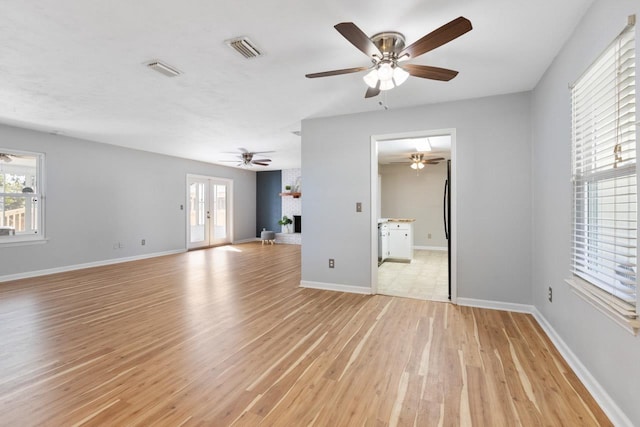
(246,158)
(418,160)
(7,158)
(387,50)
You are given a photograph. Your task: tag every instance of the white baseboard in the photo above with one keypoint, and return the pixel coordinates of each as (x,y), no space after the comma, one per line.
(431,248)
(66,268)
(252,239)
(608,405)
(335,287)
(495,305)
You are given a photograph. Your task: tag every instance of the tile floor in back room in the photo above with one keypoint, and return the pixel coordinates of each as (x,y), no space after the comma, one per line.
(425,277)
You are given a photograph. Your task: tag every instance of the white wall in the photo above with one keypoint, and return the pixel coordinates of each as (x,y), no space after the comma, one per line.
(494,203)
(611,354)
(98,194)
(291,206)
(407,194)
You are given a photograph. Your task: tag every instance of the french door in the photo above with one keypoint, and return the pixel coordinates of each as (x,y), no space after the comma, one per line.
(209,212)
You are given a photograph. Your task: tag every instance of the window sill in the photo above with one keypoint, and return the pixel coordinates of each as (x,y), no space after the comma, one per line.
(17,241)
(581,289)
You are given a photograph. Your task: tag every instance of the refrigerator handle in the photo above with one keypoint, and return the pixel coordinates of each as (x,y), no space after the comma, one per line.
(444,204)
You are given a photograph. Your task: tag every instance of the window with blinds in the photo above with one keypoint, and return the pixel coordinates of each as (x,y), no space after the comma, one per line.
(604,171)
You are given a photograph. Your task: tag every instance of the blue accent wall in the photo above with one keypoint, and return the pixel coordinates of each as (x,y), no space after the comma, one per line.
(268,200)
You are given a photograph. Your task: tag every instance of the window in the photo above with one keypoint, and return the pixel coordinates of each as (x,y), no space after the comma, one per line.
(604,170)
(21,211)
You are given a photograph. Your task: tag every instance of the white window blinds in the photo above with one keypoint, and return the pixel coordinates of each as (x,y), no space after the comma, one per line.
(605,217)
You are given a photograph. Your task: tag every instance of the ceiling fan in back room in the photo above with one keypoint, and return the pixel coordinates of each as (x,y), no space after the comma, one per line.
(388,52)
(418,160)
(246,158)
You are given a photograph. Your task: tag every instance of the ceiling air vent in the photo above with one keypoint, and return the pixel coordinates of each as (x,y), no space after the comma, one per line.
(244,46)
(163,68)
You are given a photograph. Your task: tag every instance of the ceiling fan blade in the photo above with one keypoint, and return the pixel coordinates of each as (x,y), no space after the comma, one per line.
(336,72)
(435,159)
(262,152)
(261,160)
(358,38)
(437,38)
(427,72)
(260,163)
(373,91)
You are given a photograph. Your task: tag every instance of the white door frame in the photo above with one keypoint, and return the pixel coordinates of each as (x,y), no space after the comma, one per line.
(229,183)
(374,203)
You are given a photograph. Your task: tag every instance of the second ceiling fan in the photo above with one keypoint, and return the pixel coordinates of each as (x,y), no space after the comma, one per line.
(387,51)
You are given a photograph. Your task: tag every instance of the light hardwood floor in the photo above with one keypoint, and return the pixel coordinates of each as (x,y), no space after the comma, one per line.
(226,337)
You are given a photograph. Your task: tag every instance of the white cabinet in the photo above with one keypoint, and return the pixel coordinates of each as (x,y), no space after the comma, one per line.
(383,241)
(401,240)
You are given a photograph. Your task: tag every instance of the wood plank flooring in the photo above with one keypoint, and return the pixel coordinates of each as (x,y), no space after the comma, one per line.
(225,336)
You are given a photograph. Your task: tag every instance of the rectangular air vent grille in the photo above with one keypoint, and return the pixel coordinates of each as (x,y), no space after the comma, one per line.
(163,68)
(244,46)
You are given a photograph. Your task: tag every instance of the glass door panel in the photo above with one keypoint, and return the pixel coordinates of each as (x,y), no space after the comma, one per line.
(219,208)
(198,221)
(208,219)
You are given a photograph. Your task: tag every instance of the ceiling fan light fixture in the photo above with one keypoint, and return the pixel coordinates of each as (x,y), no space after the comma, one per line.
(385,71)
(371,78)
(400,75)
(386,84)
(417,165)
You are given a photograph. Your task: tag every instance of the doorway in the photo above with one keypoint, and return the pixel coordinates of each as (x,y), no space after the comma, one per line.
(422,195)
(209,219)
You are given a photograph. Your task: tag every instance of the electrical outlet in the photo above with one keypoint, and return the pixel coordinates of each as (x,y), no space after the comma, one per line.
(332,263)
(550,294)
(181,207)
(359,207)
(144,242)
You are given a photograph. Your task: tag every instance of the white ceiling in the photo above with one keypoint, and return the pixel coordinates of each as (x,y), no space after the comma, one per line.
(76,67)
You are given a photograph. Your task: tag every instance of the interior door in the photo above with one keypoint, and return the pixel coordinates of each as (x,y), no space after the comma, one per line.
(208,219)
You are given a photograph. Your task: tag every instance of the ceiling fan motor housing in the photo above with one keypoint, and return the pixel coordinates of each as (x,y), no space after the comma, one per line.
(390,43)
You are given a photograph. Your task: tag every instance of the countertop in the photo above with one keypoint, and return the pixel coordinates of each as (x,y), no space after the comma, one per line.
(383,220)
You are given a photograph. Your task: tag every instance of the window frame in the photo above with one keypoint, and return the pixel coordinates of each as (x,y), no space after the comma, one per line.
(39,236)
(601,281)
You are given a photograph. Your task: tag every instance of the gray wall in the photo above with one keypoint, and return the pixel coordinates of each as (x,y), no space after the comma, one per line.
(494,202)
(268,200)
(608,352)
(98,194)
(407,194)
